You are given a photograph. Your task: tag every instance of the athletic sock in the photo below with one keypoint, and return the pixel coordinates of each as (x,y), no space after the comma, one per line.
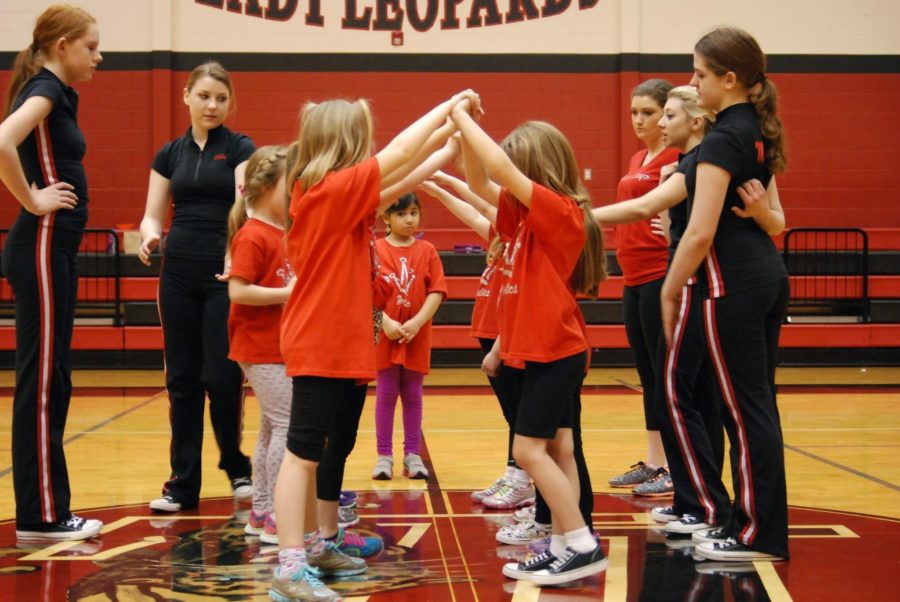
(291,559)
(520,475)
(581,540)
(510,471)
(314,542)
(557,545)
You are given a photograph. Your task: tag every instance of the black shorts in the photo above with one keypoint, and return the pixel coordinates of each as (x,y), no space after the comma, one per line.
(549,391)
(316,404)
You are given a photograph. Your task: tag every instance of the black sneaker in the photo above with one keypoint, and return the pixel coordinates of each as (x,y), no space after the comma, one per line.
(73,529)
(731,550)
(713,535)
(242,488)
(571,565)
(524,570)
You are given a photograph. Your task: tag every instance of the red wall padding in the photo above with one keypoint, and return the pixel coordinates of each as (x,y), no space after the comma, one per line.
(843,156)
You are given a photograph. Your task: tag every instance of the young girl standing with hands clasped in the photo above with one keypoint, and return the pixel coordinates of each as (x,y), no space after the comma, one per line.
(41,151)
(413,269)
(338,188)
(555,249)
(259,284)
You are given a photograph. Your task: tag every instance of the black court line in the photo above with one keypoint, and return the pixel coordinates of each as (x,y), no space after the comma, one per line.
(98,426)
(852,471)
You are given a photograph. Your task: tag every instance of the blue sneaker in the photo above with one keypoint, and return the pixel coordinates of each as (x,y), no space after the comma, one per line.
(300,586)
(356,545)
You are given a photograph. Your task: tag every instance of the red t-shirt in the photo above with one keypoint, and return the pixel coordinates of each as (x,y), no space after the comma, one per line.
(327,327)
(258,256)
(486,310)
(641,254)
(539,318)
(413,272)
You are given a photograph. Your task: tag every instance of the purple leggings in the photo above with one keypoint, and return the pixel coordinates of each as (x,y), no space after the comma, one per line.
(394,381)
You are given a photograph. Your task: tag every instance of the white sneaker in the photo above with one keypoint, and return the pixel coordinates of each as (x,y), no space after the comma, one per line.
(242,488)
(522,533)
(483,493)
(384,468)
(166,503)
(513,494)
(686,525)
(525,513)
(414,468)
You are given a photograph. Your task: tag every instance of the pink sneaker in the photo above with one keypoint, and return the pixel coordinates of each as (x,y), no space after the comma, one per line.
(256,523)
(270,530)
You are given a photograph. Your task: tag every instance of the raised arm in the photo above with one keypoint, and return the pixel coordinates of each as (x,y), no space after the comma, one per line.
(434,162)
(477,178)
(666,195)
(13,130)
(462,189)
(495,161)
(465,212)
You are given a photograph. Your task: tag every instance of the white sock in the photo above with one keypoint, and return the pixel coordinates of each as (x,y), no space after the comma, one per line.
(519,475)
(557,544)
(581,540)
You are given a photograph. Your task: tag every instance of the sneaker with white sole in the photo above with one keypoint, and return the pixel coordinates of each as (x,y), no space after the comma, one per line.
(74,528)
(242,488)
(514,494)
(524,570)
(731,550)
(413,467)
(637,474)
(664,514)
(525,513)
(686,525)
(483,493)
(348,515)
(570,566)
(255,522)
(522,533)
(658,486)
(166,503)
(384,468)
(711,535)
(270,530)
(331,562)
(300,585)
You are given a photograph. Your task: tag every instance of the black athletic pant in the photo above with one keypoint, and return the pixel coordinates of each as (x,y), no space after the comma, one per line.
(643,324)
(743,330)
(339,443)
(507,386)
(40,264)
(193,308)
(692,435)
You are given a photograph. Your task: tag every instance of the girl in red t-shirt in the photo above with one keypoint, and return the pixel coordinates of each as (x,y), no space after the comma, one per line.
(555,249)
(259,283)
(642,253)
(415,274)
(337,189)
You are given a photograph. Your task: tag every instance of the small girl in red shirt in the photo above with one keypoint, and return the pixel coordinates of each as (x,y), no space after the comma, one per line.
(555,250)
(415,274)
(259,284)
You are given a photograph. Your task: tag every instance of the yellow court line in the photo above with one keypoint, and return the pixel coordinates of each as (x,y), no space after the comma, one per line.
(437,535)
(772,582)
(615,588)
(462,553)
(526,591)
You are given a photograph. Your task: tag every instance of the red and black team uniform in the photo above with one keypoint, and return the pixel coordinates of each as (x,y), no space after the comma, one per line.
(40,262)
(193,307)
(688,395)
(745,287)
(327,330)
(541,325)
(642,256)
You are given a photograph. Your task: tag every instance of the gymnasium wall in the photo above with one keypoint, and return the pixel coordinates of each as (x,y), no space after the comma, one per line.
(571,62)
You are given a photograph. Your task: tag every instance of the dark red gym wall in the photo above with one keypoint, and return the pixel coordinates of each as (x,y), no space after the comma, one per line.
(841,128)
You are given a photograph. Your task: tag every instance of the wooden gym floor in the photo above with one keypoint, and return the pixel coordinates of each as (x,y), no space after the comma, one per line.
(841,430)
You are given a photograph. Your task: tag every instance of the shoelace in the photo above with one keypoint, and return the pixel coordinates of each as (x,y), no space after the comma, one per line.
(75,522)
(494,488)
(727,543)
(542,557)
(562,559)
(688,519)
(311,576)
(353,539)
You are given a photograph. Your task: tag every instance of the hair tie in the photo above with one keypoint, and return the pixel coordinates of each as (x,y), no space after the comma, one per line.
(762,78)
(34,46)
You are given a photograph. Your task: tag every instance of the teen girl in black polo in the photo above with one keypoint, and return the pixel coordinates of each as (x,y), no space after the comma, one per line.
(41,151)
(744,283)
(203,171)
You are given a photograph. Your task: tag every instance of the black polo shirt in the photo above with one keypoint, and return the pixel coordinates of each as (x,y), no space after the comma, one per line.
(53,151)
(742,255)
(202,184)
